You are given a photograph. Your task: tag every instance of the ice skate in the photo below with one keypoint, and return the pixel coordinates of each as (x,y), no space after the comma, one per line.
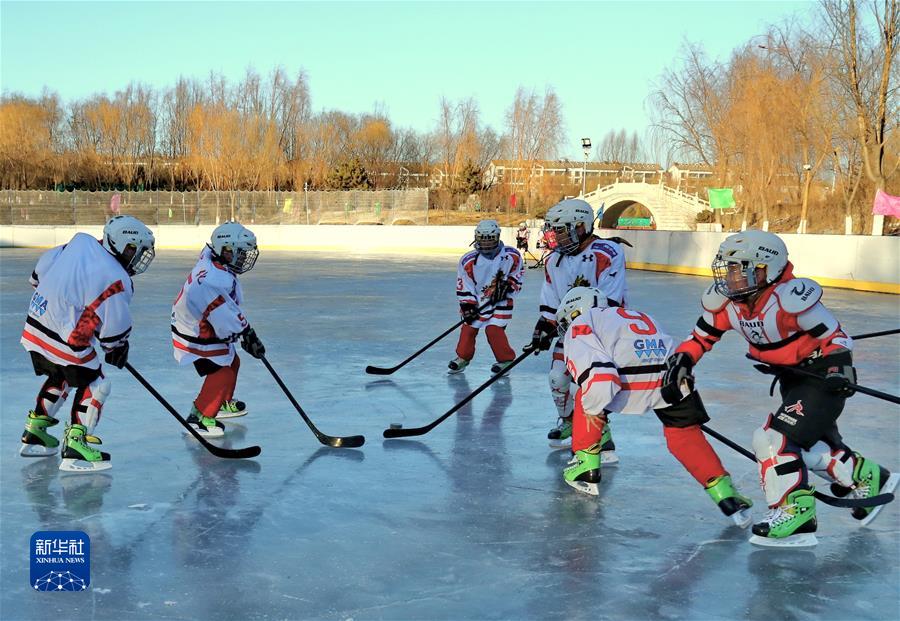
(499,367)
(205,426)
(583,471)
(457,365)
(732,504)
(36,442)
(560,437)
(79,456)
(791,524)
(608,455)
(871,479)
(232,409)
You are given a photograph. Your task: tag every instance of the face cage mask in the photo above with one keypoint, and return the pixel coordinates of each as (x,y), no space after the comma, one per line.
(487,245)
(566,237)
(136,262)
(244,260)
(720,274)
(563,326)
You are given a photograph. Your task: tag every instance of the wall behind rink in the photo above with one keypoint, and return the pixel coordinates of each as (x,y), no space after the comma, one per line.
(848,261)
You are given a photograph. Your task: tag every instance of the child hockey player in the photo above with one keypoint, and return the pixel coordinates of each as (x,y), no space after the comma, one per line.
(488,280)
(82,294)
(785,324)
(206,321)
(581,259)
(616,356)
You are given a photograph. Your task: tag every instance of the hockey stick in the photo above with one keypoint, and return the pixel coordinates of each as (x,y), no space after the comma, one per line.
(244,453)
(871,335)
(866,391)
(389,370)
(332,441)
(419,431)
(845,503)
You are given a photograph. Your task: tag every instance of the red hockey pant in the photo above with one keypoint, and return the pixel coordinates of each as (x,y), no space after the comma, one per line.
(218,387)
(496,337)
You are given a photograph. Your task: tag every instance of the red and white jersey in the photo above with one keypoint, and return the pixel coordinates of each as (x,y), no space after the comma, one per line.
(601,264)
(616,357)
(784,326)
(206,315)
(81,298)
(476,276)
(523,235)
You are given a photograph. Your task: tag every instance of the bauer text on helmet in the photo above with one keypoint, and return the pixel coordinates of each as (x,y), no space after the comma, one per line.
(747,262)
(572,222)
(577,302)
(487,237)
(130,242)
(234,245)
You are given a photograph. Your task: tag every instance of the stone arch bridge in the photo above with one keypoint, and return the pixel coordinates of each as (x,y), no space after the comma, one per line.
(672,210)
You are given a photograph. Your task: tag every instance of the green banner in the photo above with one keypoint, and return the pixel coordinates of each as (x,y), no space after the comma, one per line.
(721,198)
(633,222)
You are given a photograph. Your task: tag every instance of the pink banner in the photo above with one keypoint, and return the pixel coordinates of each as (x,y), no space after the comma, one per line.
(114,203)
(886,205)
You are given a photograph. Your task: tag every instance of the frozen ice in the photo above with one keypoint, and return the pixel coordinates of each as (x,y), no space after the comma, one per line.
(471,521)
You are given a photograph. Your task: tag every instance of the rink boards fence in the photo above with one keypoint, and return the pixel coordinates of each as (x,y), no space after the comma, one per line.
(847,261)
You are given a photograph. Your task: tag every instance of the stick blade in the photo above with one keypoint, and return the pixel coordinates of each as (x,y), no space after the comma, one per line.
(347,442)
(378,370)
(404,433)
(244,453)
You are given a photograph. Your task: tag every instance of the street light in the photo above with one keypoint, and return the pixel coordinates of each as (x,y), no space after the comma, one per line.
(586,147)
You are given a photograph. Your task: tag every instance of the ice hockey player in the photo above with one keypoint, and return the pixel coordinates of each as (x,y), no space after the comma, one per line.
(82,293)
(522,236)
(207,320)
(487,281)
(581,259)
(782,318)
(617,357)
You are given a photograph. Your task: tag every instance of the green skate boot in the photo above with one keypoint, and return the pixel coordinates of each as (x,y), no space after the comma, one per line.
(871,479)
(36,442)
(608,455)
(732,504)
(232,409)
(205,426)
(79,456)
(560,437)
(791,524)
(457,365)
(583,471)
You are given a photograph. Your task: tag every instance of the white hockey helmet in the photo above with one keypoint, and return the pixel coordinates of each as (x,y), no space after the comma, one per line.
(741,255)
(522,225)
(487,237)
(578,301)
(239,241)
(130,242)
(565,218)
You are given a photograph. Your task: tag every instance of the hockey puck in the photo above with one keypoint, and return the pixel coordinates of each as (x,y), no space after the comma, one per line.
(396,426)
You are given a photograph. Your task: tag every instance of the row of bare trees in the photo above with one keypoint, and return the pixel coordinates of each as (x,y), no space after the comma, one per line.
(799,118)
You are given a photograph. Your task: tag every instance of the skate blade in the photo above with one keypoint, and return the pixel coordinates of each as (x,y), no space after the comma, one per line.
(742,518)
(455,371)
(889,486)
(609,458)
(560,444)
(223,415)
(217,433)
(37,450)
(84,467)
(591,489)
(803,540)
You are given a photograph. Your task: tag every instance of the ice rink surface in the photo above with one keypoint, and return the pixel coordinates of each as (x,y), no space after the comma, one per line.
(471,521)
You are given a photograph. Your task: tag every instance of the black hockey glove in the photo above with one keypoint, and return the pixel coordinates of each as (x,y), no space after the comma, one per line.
(251,343)
(678,382)
(501,289)
(837,380)
(544,331)
(118,355)
(469,312)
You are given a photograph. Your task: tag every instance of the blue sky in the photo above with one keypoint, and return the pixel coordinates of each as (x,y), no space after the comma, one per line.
(600,57)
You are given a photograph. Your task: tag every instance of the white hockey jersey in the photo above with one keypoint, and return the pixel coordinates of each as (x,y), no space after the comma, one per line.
(81,299)
(616,357)
(476,276)
(206,315)
(601,264)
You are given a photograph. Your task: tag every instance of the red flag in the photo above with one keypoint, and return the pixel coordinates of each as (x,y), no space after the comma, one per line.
(512,201)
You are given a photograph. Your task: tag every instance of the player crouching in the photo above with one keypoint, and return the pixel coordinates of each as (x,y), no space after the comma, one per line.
(616,357)
(206,321)
(488,280)
(82,295)
(785,324)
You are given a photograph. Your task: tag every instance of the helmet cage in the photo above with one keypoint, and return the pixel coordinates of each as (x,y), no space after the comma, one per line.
(487,243)
(723,268)
(563,323)
(135,260)
(566,235)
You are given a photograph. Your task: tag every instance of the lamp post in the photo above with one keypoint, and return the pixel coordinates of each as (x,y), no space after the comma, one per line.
(805,199)
(586,147)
